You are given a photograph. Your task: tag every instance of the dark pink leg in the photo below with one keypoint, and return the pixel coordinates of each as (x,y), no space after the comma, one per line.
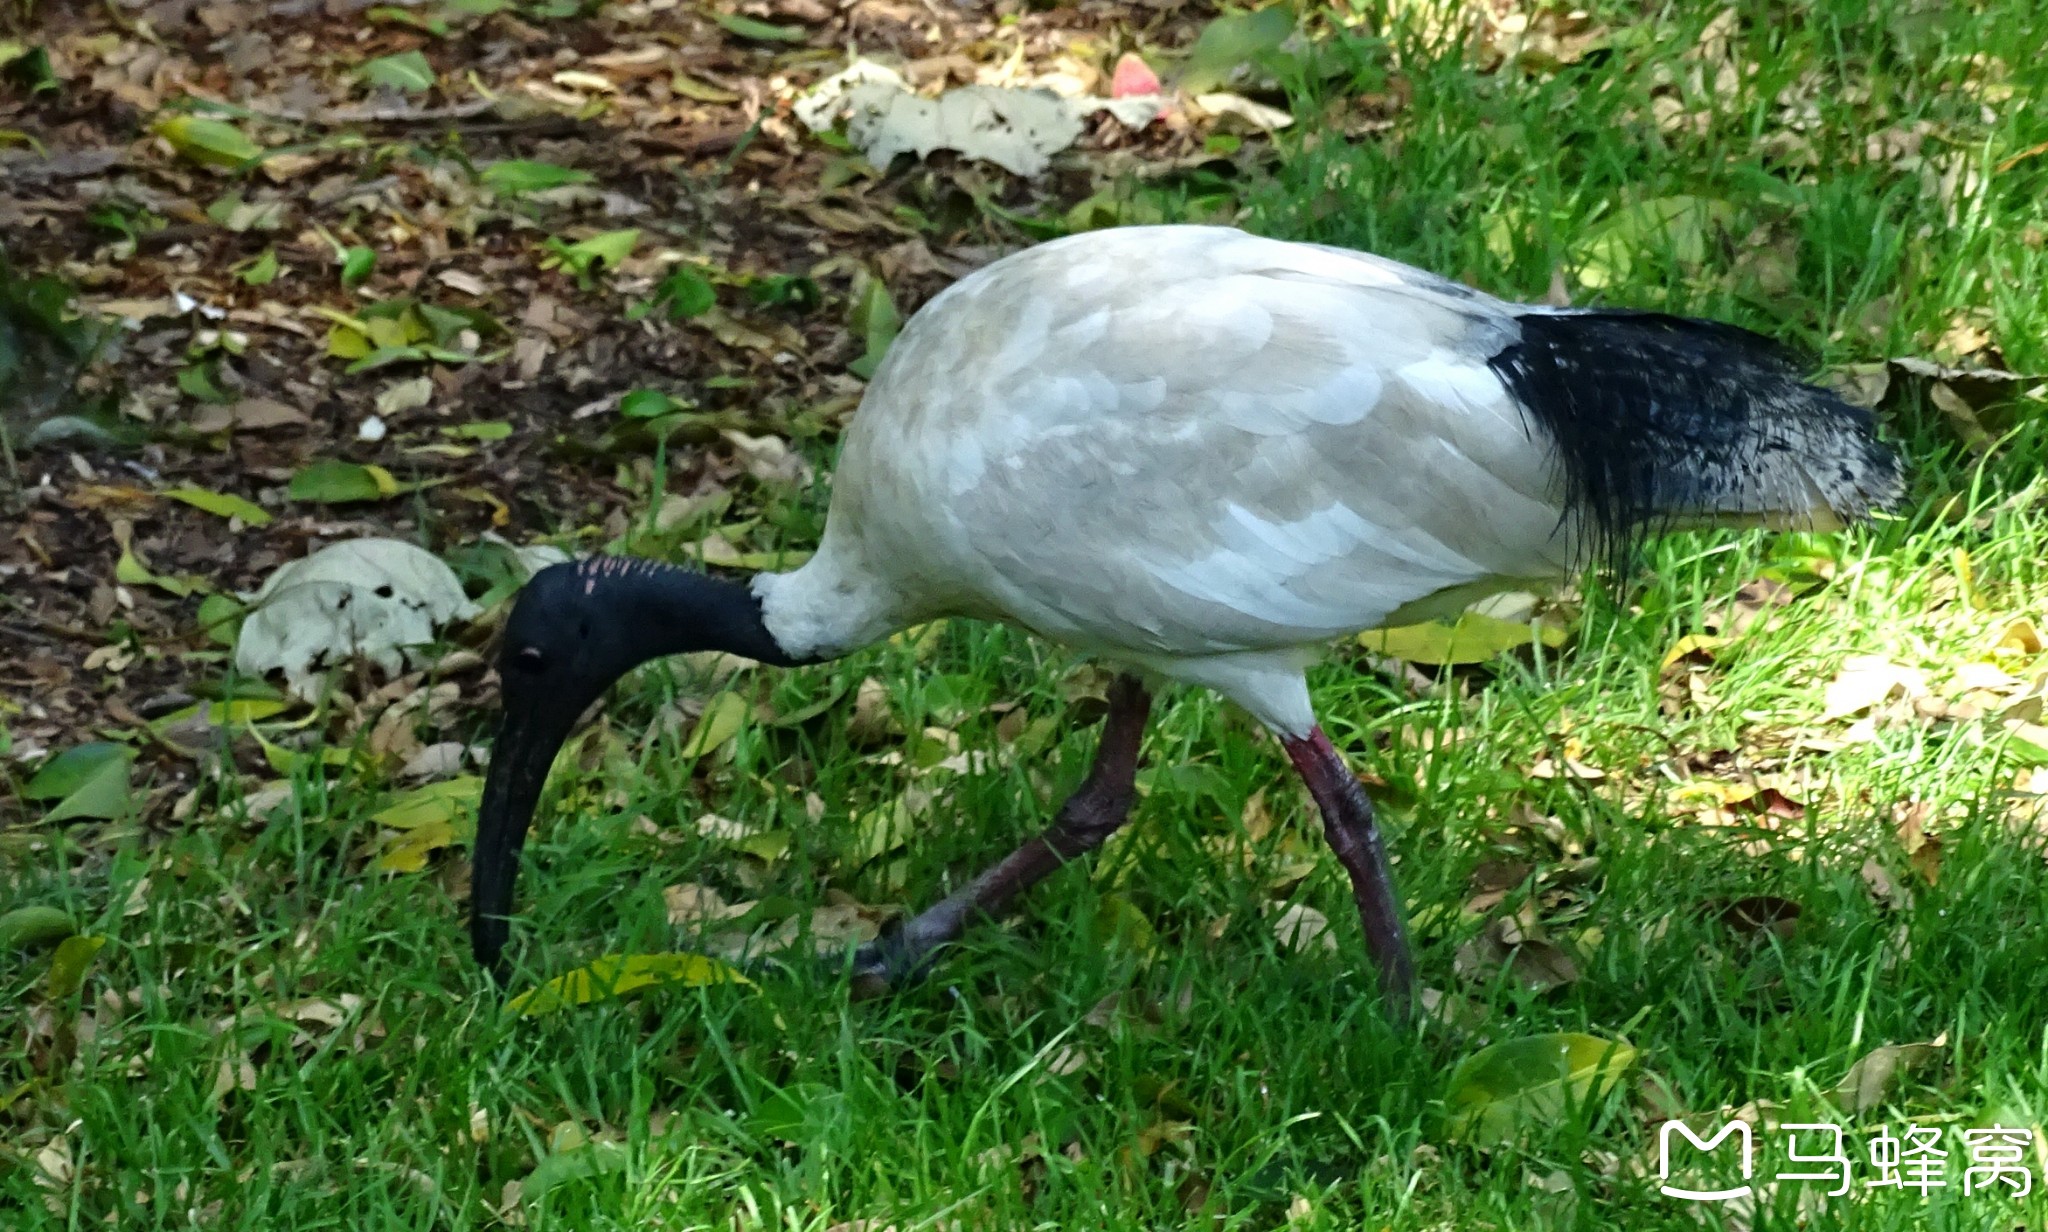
(1087,819)
(1348,825)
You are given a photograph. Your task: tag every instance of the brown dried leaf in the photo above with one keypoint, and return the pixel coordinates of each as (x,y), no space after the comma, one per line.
(691,903)
(1302,928)
(248,415)
(873,721)
(1923,850)
(1535,963)
(1870,1080)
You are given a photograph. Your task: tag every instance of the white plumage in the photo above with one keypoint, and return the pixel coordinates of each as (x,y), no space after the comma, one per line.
(1204,454)
(1186,448)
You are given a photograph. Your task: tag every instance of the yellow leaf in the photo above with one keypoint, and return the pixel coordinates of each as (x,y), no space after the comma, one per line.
(346,343)
(1713,792)
(1966,578)
(922,639)
(576,79)
(720,722)
(1691,644)
(408,852)
(386,482)
(881,831)
(130,571)
(615,975)
(2018,638)
(236,712)
(340,318)
(501,513)
(1119,924)
(385,332)
(1475,638)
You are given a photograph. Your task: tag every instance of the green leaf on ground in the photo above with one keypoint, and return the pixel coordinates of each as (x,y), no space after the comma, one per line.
(220,504)
(356,266)
(588,258)
(333,482)
(647,404)
(220,617)
(259,271)
(1501,1089)
(408,70)
(721,721)
(877,321)
(760,31)
(615,975)
(798,1113)
(29,928)
(446,801)
(575,1163)
(685,293)
(1231,40)
(1473,638)
(69,965)
(89,781)
(514,176)
(210,143)
(28,68)
(1677,226)
(130,571)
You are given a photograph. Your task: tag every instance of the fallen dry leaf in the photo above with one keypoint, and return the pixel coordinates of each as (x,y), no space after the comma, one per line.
(1923,850)
(698,904)
(1870,680)
(1302,928)
(1871,1079)
(1535,963)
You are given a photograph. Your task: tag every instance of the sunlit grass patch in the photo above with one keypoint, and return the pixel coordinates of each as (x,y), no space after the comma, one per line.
(1773,806)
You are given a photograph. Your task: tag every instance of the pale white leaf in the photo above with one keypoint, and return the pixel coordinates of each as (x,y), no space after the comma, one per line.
(363,598)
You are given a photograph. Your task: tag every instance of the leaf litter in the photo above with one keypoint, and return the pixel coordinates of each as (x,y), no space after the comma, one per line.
(237,378)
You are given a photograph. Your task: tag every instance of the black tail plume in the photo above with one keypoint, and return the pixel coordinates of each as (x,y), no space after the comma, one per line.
(1661,420)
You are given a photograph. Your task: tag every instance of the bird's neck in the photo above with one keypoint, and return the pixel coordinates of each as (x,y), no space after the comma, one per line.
(682,611)
(835,603)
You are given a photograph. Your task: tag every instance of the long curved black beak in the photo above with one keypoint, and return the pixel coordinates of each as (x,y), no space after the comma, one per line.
(520,758)
(640,610)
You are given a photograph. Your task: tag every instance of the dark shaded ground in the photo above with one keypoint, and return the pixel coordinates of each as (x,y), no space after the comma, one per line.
(232,384)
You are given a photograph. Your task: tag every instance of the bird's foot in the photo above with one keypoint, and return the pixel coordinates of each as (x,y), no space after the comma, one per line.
(904,954)
(886,964)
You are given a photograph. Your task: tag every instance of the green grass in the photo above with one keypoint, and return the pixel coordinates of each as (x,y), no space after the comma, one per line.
(1236,1083)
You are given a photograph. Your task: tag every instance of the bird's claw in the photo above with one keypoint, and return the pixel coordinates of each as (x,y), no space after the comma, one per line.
(888,962)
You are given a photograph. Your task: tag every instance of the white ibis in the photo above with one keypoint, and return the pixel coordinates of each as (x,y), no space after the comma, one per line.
(1202,455)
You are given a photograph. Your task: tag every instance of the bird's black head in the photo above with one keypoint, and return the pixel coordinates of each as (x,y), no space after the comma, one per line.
(565,641)
(574,630)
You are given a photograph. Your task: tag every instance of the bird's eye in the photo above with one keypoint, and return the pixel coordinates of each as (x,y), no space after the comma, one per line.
(529,659)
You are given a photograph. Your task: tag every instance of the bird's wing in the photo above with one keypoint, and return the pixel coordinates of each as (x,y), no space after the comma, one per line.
(1193,441)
